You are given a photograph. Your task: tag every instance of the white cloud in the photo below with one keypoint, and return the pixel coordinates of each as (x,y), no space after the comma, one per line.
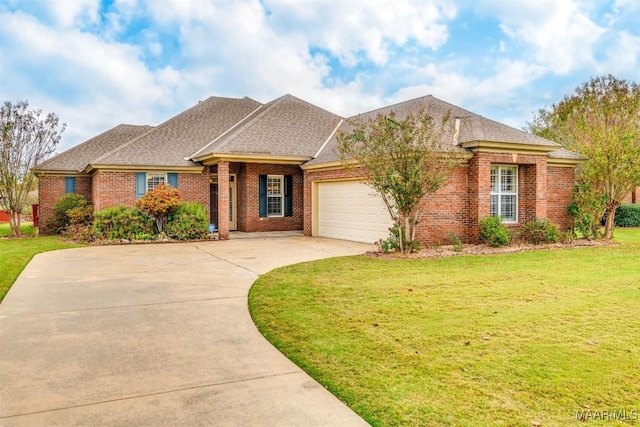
(469,91)
(562,35)
(88,82)
(623,56)
(66,13)
(372,28)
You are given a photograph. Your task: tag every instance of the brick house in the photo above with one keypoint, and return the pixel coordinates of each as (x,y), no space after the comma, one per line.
(279,171)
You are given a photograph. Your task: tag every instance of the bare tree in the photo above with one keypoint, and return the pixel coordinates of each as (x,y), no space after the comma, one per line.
(27,139)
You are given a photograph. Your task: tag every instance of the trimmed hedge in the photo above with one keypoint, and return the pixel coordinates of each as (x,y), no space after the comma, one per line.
(628,215)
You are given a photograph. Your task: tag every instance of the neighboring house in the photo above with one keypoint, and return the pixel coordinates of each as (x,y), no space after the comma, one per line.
(272,167)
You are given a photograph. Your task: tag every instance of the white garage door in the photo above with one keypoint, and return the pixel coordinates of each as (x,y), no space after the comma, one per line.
(351,210)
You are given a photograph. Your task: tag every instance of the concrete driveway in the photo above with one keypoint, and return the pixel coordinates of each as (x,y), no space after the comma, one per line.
(155,335)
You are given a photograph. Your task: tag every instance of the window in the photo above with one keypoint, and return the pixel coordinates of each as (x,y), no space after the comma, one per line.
(148,181)
(155,179)
(504,192)
(275,195)
(69,184)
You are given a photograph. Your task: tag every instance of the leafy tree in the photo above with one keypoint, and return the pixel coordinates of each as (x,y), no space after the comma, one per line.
(26,139)
(159,203)
(600,121)
(403,159)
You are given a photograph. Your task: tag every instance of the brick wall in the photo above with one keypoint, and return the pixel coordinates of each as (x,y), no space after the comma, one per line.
(248,198)
(463,201)
(113,189)
(448,210)
(50,188)
(194,187)
(560,182)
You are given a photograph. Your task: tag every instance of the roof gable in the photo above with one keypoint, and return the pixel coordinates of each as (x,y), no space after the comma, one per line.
(287,126)
(473,127)
(77,158)
(173,142)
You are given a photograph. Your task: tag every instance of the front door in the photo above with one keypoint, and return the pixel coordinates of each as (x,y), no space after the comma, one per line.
(213,202)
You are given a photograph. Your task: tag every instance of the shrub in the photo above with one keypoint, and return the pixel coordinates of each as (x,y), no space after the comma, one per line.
(67,202)
(586,208)
(455,241)
(80,215)
(188,222)
(121,222)
(494,232)
(81,232)
(628,215)
(159,203)
(392,243)
(540,231)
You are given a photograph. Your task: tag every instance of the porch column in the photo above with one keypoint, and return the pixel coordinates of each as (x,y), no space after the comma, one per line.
(479,191)
(541,187)
(223,200)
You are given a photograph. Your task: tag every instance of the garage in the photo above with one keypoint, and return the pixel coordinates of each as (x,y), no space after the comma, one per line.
(351,210)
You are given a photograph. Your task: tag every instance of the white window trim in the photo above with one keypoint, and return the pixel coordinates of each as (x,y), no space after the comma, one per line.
(166,180)
(281,196)
(500,193)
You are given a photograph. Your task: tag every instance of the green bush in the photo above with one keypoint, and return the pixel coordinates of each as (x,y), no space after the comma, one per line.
(80,215)
(66,203)
(628,215)
(494,232)
(455,241)
(188,222)
(392,243)
(540,231)
(586,208)
(121,222)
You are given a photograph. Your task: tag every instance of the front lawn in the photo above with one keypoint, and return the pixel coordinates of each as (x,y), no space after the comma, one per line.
(25,228)
(502,340)
(15,254)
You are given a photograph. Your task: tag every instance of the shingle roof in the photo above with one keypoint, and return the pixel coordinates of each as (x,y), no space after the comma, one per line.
(287,126)
(77,158)
(563,153)
(181,136)
(473,127)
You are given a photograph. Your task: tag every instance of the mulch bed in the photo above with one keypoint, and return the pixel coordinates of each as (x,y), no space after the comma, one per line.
(448,250)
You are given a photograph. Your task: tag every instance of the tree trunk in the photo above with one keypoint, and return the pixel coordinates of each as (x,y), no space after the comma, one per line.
(405,236)
(609,223)
(14,223)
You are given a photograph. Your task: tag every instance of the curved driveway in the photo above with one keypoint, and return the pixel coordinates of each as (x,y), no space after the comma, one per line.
(155,335)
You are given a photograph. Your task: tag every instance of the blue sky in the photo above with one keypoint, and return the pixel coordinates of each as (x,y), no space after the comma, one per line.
(99,63)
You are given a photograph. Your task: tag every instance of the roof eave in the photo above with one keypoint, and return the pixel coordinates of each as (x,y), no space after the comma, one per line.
(214,158)
(555,161)
(508,147)
(93,168)
(58,172)
(339,164)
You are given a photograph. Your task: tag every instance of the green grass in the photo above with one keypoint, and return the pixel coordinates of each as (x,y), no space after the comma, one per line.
(501,340)
(25,228)
(15,254)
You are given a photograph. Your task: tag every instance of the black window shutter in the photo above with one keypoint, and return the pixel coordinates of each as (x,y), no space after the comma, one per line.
(262,194)
(288,195)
